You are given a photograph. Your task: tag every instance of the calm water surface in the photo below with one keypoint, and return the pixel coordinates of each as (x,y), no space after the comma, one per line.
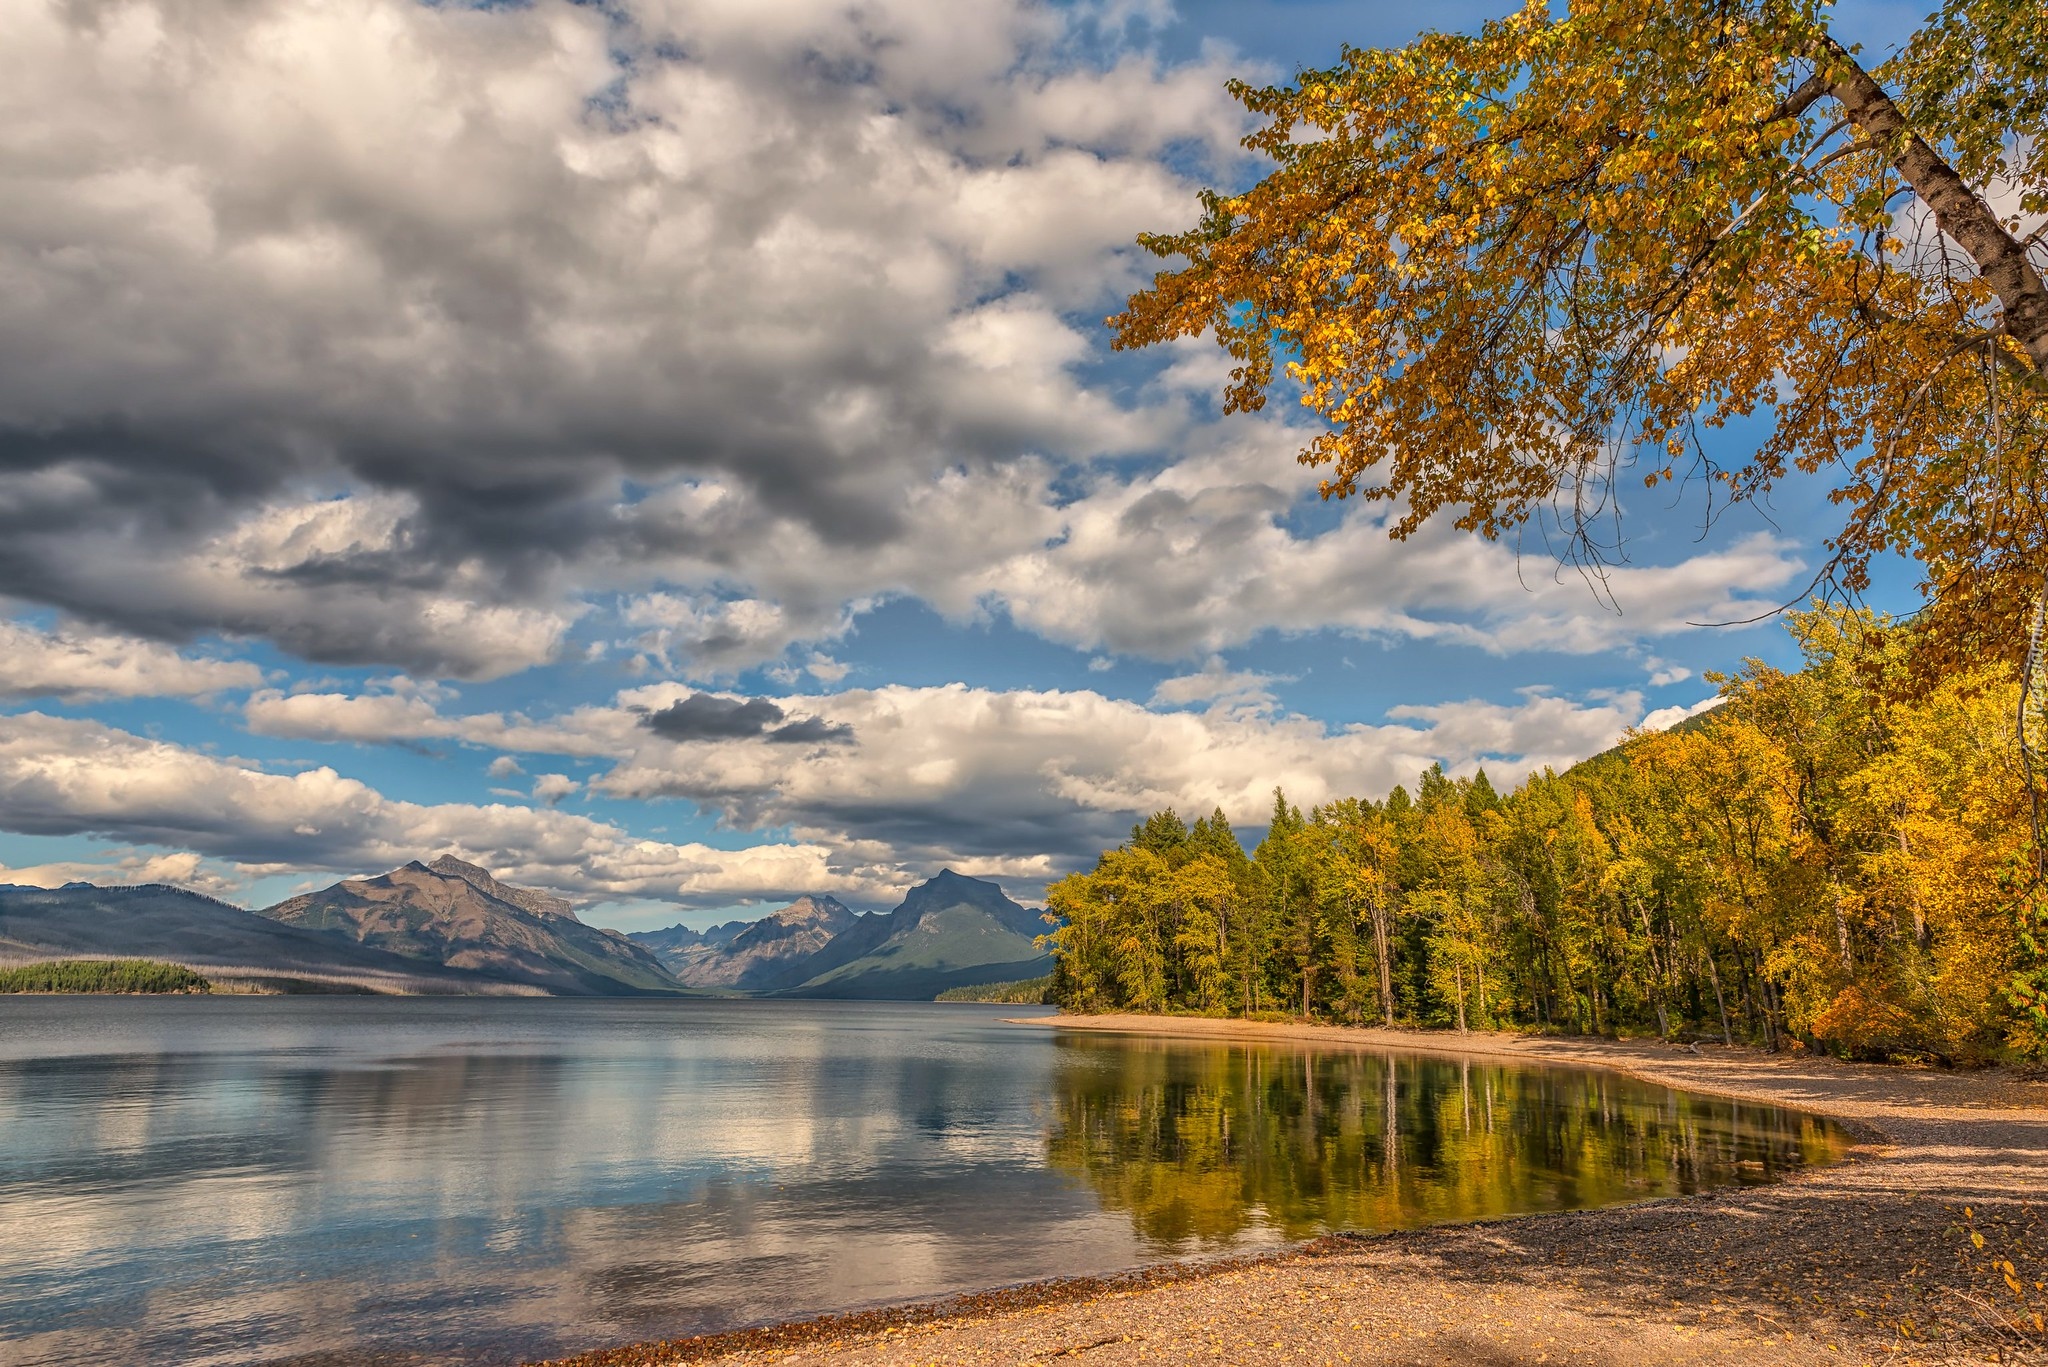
(188,1180)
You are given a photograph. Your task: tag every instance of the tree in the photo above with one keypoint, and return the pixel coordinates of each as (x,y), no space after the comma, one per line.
(1509,268)
(1822,859)
(1288,900)
(1205,892)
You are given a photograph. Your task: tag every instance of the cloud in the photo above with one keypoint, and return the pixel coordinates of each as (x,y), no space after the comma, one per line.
(812,731)
(1539,731)
(1663,672)
(825,669)
(1170,562)
(1664,718)
(1028,783)
(958,772)
(552,788)
(179,868)
(1214,550)
(1219,685)
(368,718)
(386,372)
(708,717)
(1026,778)
(64,777)
(736,322)
(79,662)
(350,580)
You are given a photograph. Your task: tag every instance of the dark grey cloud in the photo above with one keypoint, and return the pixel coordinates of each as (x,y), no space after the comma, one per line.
(706,716)
(812,731)
(709,717)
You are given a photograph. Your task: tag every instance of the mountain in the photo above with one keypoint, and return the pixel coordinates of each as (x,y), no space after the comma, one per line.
(675,939)
(224,942)
(451,927)
(450,919)
(773,952)
(526,899)
(952,931)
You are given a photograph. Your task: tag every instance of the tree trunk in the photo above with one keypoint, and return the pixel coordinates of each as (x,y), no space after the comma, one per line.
(1767,997)
(1458,971)
(1380,932)
(1959,211)
(1660,973)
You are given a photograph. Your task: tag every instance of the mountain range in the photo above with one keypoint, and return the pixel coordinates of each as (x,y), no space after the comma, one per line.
(451,927)
(952,931)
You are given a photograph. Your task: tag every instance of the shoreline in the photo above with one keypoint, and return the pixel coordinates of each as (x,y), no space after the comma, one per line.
(1877,1241)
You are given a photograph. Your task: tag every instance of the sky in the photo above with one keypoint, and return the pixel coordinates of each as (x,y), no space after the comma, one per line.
(668,451)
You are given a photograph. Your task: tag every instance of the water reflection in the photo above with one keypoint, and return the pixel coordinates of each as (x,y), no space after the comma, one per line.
(1204,1146)
(232,1182)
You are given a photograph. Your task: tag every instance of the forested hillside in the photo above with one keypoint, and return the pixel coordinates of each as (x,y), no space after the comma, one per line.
(1839,856)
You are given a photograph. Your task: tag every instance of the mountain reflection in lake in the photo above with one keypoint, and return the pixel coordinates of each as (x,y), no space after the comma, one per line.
(234,1181)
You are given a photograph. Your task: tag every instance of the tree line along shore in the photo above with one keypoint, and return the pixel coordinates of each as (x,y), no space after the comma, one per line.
(102,975)
(1836,858)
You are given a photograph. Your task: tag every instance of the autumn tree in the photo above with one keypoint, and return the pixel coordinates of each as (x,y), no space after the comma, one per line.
(1510,269)
(1822,860)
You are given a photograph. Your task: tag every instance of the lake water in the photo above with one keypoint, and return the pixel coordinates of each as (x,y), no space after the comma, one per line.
(194,1180)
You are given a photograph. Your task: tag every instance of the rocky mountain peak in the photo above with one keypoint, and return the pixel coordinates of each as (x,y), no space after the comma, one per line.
(814,907)
(526,899)
(947,889)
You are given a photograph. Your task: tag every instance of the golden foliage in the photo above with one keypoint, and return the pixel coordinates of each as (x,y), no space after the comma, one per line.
(1508,269)
(1818,860)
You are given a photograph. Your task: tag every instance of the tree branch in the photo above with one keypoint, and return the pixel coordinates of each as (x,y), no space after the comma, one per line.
(1803,97)
(1958,210)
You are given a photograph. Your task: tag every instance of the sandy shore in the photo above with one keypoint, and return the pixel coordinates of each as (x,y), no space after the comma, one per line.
(1869,1261)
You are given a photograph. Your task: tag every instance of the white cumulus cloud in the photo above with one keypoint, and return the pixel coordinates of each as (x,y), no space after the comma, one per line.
(79,662)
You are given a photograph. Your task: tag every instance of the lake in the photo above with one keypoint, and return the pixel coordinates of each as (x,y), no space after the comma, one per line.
(205,1180)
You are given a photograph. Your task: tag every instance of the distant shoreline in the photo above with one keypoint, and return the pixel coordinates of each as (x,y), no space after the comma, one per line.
(1850,1263)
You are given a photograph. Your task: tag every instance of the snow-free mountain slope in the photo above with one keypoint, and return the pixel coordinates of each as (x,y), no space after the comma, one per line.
(952,931)
(176,926)
(526,899)
(446,918)
(772,953)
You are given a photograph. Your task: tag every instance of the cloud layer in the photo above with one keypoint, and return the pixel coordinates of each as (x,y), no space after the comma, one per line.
(397,333)
(60,776)
(1025,782)
(484,273)
(458,341)
(72,662)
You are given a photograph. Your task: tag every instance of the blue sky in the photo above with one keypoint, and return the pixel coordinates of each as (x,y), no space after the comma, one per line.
(414,414)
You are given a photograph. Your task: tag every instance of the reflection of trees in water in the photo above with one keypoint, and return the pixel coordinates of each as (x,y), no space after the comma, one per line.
(1202,1144)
